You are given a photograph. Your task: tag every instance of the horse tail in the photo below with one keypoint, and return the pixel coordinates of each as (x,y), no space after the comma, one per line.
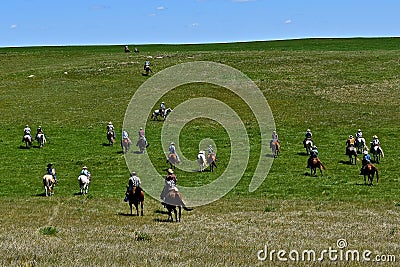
(322,165)
(377,174)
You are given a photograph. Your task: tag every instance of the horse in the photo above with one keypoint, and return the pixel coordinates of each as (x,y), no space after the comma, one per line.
(352,151)
(201,159)
(314,164)
(136,196)
(276,148)
(370,171)
(147,69)
(172,160)
(41,139)
(84,182)
(308,144)
(48,182)
(360,145)
(211,159)
(377,153)
(125,144)
(28,140)
(173,200)
(110,137)
(142,144)
(156,113)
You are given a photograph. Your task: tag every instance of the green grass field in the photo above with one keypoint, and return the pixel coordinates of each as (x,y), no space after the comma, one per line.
(332,86)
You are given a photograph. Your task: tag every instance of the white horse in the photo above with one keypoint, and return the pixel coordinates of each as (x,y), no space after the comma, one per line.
(360,145)
(41,139)
(28,140)
(142,144)
(201,159)
(163,115)
(309,144)
(48,183)
(377,153)
(84,182)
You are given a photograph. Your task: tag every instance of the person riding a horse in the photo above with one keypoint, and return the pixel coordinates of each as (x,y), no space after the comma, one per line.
(125,135)
(85,172)
(365,161)
(313,154)
(141,135)
(359,133)
(50,170)
(274,138)
(27,131)
(162,109)
(170,184)
(308,136)
(350,142)
(133,181)
(110,128)
(375,142)
(172,150)
(211,151)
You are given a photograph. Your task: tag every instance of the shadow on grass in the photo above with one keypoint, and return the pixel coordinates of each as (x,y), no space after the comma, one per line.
(127,214)
(107,144)
(346,162)
(41,194)
(24,147)
(163,220)
(302,153)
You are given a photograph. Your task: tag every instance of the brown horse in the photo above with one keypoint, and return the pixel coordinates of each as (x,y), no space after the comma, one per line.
(370,171)
(211,160)
(276,148)
(136,196)
(48,182)
(314,164)
(172,160)
(173,200)
(125,144)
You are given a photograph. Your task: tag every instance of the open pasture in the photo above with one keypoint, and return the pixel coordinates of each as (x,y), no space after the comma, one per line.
(332,86)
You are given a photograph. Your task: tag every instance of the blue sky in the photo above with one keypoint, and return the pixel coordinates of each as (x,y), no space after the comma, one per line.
(95,22)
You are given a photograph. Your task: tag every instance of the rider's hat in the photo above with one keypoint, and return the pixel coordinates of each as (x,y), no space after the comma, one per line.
(50,164)
(133,173)
(359,130)
(308,130)
(26,125)
(172,143)
(375,137)
(170,171)
(351,136)
(84,167)
(365,152)
(109,123)
(315,147)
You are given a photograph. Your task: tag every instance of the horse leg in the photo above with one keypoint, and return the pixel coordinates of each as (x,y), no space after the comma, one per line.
(179,213)
(141,208)
(130,205)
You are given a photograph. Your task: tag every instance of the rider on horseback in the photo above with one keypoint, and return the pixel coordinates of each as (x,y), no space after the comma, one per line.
(375,142)
(141,135)
(211,151)
(172,150)
(85,172)
(110,128)
(308,136)
(133,181)
(162,109)
(365,161)
(275,138)
(359,133)
(27,131)
(350,142)
(50,170)
(313,154)
(170,184)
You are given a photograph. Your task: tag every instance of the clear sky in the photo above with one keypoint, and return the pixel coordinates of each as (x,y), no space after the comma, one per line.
(97,22)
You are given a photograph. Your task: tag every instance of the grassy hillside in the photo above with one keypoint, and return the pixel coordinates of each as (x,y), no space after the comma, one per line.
(332,86)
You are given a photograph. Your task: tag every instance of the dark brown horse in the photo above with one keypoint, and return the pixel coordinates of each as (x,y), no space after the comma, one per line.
(211,160)
(314,164)
(136,196)
(173,200)
(370,170)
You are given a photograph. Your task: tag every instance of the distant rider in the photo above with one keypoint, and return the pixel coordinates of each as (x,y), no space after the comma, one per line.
(359,134)
(50,170)
(170,184)
(85,172)
(350,142)
(162,109)
(110,128)
(133,181)
(365,161)
(274,138)
(172,150)
(27,131)
(308,136)
(313,154)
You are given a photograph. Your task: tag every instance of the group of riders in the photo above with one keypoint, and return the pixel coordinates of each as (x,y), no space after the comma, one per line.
(27,135)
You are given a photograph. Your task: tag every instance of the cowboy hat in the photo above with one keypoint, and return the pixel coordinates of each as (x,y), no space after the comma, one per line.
(170,171)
